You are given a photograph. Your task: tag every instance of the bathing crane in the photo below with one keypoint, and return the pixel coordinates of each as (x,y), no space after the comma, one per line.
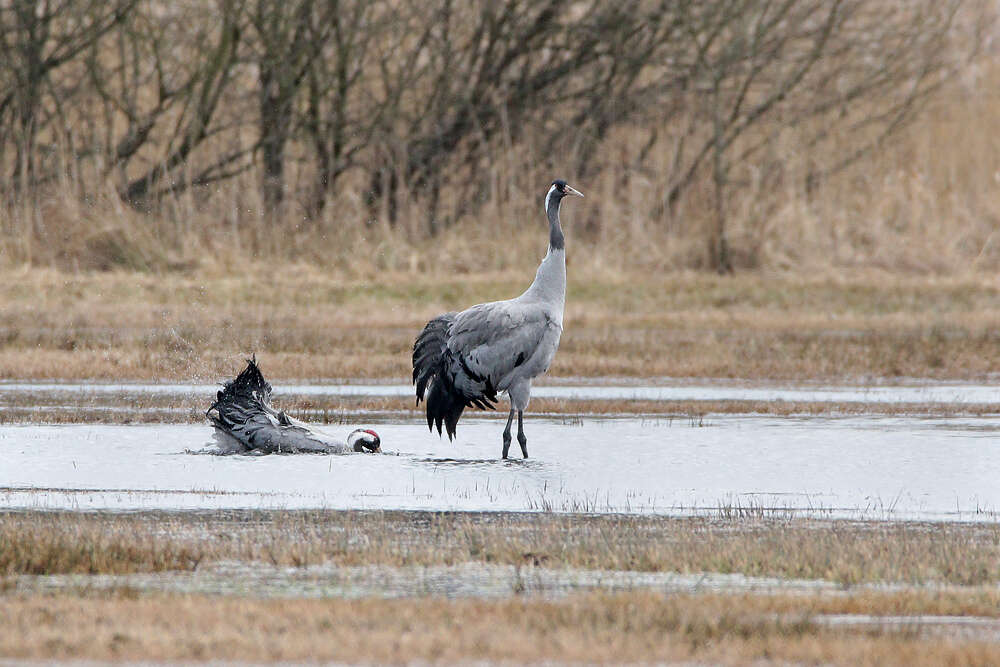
(245,422)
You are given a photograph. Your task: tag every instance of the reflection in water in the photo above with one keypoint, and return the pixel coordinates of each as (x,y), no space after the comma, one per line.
(216,450)
(524,463)
(741,466)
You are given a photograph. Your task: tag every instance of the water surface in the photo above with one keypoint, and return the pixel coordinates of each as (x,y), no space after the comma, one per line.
(932,392)
(877,467)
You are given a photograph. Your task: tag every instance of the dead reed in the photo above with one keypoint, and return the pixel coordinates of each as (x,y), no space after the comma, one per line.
(306,324)
(124,624)
(632,627)
(62,409)
(922,204)
(848,553)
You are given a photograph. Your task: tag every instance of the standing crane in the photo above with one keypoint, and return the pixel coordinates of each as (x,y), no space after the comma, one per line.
(464,359)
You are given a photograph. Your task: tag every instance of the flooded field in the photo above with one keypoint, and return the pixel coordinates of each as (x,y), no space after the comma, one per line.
(468,580)
(933,458)
(499,582)
(746,465)
(593,390)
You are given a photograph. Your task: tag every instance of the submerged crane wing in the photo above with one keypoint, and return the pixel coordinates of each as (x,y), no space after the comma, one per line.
(245,421)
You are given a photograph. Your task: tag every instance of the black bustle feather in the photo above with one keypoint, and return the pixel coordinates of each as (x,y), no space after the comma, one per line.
(444,406)
(428,351)
(431,360)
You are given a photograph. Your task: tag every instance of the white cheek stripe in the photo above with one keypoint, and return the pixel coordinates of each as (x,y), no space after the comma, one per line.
(547,197)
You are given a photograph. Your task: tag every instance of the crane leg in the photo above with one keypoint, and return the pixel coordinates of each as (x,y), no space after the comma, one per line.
(521,439)
(506,433)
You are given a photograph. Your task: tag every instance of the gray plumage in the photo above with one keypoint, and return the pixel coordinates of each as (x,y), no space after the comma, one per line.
(245,422)
(465,359)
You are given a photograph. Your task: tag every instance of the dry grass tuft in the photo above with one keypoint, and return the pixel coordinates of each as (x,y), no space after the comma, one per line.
(123,624)
(923,204)
(306,324)
(56,543)
(847,553)
(596,628)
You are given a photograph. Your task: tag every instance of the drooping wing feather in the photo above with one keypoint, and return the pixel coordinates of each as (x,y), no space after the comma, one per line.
(491,340)
(435,380)
(428,350)
(463,359)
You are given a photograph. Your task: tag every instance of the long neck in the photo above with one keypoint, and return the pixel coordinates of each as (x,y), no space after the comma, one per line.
(550,279)
(556,239)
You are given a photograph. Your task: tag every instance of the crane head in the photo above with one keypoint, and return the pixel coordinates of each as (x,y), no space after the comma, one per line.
(365,440)
(563,188)
(558,190)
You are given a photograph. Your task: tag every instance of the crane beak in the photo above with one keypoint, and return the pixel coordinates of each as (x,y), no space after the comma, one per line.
(571,191)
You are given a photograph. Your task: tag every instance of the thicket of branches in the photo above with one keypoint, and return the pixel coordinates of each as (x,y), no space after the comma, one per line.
(377,99)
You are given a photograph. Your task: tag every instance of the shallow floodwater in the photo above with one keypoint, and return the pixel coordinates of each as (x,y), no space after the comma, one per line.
(928,392)
(878,467)
(463,580)
(480,580)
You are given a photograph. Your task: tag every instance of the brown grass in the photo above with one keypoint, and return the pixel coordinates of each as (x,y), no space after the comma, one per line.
(306,324)
(583,628)
(123,624)
(848,553)
(18,408)
(922,204)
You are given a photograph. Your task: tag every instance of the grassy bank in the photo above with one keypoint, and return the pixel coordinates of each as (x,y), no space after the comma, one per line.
(846,553)
(304,323)
(634,627)
(933,569)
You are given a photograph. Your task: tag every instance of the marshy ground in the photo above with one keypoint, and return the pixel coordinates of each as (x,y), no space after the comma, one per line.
(250,586)
(306,324)
(879,274)
(740,582)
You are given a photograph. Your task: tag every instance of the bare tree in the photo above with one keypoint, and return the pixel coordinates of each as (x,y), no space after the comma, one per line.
(287,38)
(340,114)
(419,96)
(757,68)
(187,97)
(485,68)
(38,38)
